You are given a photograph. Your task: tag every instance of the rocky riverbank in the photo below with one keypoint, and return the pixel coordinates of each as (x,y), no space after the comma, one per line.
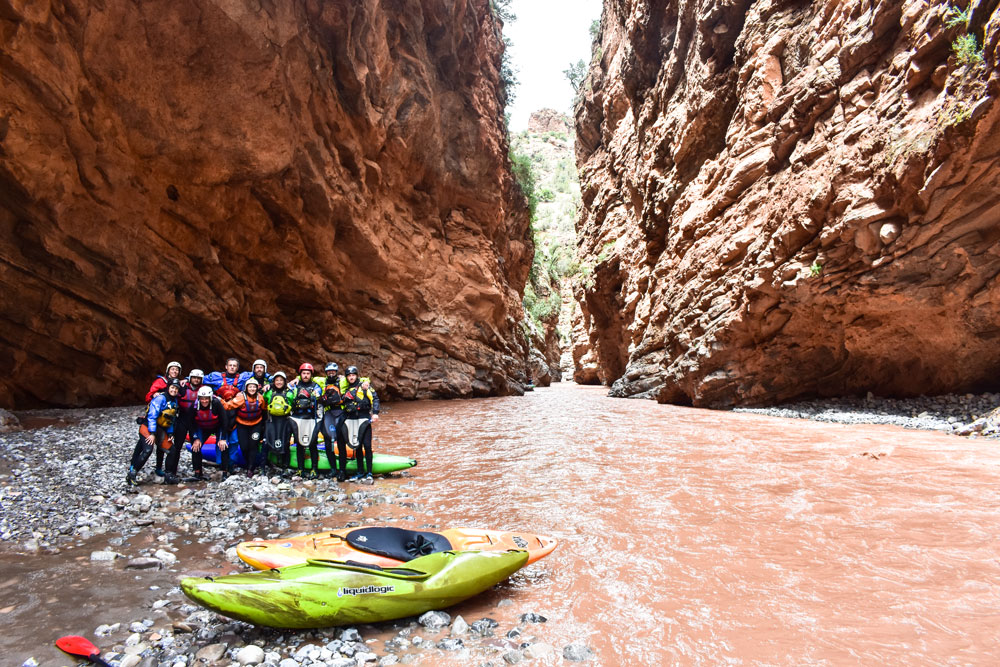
(63,500)
(972,415)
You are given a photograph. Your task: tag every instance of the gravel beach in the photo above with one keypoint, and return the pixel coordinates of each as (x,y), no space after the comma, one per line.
(63,499)
(961,414)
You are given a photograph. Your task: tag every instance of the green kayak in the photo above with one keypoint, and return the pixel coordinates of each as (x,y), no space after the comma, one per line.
(383,464)
(321,593)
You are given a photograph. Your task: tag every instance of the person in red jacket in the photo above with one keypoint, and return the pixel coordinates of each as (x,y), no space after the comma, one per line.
(160,383)
(249,408)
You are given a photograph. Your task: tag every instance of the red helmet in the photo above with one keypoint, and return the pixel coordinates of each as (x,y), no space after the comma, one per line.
(306,367)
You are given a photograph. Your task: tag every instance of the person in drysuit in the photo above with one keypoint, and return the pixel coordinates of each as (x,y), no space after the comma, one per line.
(304,417)
(226,384)
(257,371)
(332,416)
(160,383)
(278,432)
(184,426)
(210,418)
(361,407)
(154,429)
(249,409)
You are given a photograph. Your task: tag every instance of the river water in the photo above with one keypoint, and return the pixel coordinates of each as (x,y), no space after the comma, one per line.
(698,537)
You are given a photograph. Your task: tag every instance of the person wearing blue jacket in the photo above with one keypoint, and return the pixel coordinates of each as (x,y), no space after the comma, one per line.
(154,429)
(226,384)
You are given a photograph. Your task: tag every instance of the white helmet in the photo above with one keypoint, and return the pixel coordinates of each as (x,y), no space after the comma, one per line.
(251,381)
(261,362)
(197,373)
(205,392)
(172,364)
(279,374)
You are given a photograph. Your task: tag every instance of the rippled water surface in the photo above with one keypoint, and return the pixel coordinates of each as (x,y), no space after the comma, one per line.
(708,537)
(694,537)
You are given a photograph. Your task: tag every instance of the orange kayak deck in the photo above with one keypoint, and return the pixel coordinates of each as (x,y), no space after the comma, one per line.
(334,545)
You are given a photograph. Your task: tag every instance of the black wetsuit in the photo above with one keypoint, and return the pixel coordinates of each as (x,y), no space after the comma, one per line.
(184,426)
(304,420)
(359,405)
(159,422)
(333,415)
(278,431)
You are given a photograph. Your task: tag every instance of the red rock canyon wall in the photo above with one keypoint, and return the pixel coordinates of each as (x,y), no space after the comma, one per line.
(790,199)
(287,180)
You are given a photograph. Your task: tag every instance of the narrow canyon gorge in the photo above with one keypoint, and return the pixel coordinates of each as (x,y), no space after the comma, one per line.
(790,199)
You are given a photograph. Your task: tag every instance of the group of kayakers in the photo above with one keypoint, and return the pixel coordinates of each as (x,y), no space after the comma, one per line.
(268,413)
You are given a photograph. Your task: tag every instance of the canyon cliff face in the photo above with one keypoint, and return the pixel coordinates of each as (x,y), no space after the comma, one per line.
(293,181)
(788,199)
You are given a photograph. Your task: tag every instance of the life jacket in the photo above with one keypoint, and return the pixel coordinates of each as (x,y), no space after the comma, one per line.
(167,415)
(250,411)
(187,398)
(357,399)
(304,400)
(205,418)
(278,406)
(227,392)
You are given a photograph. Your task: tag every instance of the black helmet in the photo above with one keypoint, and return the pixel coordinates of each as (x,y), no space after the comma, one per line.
(352,370)
(173,382)
(332,366)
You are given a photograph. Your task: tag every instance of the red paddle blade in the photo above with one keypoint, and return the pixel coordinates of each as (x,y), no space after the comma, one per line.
(77,645)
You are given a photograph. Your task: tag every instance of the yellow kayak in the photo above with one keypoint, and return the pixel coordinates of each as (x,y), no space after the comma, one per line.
(386,546)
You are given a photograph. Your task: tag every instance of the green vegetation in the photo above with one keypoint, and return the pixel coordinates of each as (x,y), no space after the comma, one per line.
(816,270)
(595,29)
(605,251)
(966,50)
(955,17)
(576,73)
(501,9)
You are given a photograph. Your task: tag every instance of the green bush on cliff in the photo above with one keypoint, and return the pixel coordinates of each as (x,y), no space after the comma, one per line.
(966,50)
(525,177)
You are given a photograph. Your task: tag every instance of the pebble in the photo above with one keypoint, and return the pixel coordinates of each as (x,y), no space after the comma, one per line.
(434,620)
(130,661)
(250,655)
(533,618)
(144,564)
(459,627)
(165,557)
(211,653)
(577,652)
(104,556)
(540,650)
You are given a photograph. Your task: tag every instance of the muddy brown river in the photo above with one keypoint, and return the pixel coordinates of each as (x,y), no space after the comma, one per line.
(686,536)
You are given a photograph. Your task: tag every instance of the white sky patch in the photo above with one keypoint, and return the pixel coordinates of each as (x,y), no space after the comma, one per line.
(548,35)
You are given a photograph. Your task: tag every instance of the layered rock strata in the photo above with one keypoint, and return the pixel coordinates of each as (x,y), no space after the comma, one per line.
(310,180)
(787,199)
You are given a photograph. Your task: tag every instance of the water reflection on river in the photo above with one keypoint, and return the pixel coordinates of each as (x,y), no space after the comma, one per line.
(690,536)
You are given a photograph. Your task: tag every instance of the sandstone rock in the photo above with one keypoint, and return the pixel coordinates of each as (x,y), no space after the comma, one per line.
(297,181)
(802,203)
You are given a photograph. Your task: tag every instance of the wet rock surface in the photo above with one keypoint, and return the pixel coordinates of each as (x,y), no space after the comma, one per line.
(72,505)
(301,181)
(786,200)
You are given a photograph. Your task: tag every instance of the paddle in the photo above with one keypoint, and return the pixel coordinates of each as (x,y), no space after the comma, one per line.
(81,647)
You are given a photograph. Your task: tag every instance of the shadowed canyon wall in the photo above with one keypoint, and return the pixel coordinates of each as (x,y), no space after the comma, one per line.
(787,199)
(287,180)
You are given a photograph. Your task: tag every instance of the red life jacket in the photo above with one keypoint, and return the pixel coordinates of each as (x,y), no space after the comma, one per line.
(187,398)
(251,410)
(206,419)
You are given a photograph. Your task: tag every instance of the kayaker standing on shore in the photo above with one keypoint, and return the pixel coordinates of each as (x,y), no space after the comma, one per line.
(361,407)
(332,416)
(225,383)
(184,425)
(249,407)
(258,371)
(305,417)
(210,418)
(160,383)
(154,429)
(278,432)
